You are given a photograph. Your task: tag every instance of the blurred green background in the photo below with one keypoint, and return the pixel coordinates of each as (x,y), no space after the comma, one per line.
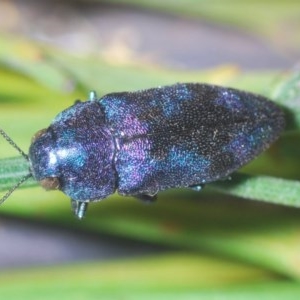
(188,245)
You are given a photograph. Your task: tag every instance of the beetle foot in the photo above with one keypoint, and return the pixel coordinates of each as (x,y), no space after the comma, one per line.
(92,96)
(197,187)
(79,208)
(225,178)
(146,198)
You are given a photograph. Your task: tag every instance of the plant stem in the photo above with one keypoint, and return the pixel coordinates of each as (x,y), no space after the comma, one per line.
(12,170)
(262,188)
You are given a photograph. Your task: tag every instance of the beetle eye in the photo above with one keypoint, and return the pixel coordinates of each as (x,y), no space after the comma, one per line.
(38,134)
(50,183)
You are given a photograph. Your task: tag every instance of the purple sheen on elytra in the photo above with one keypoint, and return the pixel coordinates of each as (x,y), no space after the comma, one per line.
(120,118)
(142,173)
(203,128)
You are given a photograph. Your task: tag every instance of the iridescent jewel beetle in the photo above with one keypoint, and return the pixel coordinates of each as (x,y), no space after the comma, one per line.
(140,143)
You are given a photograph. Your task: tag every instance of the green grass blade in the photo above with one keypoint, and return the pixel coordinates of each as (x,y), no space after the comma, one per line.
(30,59)
(262,188)
(250,232)
(287,93)
(169,273)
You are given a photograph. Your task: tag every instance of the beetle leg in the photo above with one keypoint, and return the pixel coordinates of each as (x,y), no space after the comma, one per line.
(146,198)
(79,208)
(225,178)
(197,187)
(77,101)
(92,96)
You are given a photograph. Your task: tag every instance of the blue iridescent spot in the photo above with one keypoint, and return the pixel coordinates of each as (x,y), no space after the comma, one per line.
(230,100)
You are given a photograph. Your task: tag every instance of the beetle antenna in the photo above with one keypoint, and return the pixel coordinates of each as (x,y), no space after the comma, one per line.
(12,143)
(22,180)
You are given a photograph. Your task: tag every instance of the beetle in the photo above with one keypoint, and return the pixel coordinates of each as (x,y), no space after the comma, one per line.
(140,143)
